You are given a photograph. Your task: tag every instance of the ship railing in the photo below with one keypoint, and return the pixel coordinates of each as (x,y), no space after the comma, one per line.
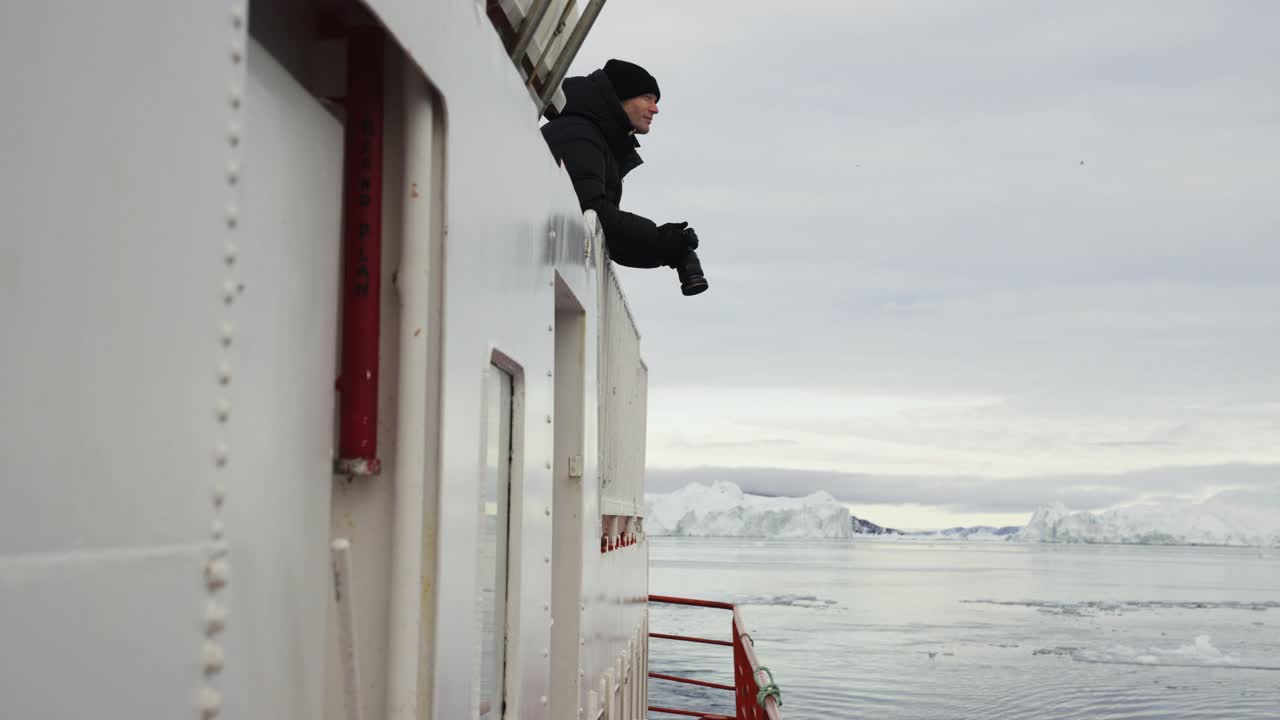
(543,37)
(756,695)
(623,391)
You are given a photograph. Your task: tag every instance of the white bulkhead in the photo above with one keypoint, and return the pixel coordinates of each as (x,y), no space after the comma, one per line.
(172,304)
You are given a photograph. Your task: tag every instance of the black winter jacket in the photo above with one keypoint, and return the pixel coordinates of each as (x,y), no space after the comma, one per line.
(592,137)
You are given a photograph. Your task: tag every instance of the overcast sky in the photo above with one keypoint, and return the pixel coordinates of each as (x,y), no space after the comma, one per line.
(965,257)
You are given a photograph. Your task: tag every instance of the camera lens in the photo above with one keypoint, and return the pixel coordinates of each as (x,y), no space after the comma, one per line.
(692,281)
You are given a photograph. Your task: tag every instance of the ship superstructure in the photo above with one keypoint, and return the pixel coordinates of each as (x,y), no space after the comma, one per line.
(320,396)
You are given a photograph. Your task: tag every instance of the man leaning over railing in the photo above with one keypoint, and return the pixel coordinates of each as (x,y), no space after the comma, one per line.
(594,136)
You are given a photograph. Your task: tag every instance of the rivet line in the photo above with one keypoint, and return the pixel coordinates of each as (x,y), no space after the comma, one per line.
(217,568)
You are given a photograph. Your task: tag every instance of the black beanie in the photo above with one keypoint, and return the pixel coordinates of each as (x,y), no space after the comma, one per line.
(630,80)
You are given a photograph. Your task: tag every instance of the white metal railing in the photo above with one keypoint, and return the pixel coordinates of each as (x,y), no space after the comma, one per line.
(545,35)
(623,386)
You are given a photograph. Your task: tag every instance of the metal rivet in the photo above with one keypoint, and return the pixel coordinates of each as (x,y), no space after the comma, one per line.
(213,657)
(230,253)
(234,97)
(548,464)
(233,172)
(233,216)
(237,16)
(227,333)
(548,418)
(216,573)
(224,373)
(219,548)
(546,652)
(546,607)
(223,409)
(547,511)
(548,373)
(229,291)
(233,134)
(219,494)
(551,328)
(210,703)
(237,52)
(546,558)
(220,454)
(543,700)
(216,529)
(552,234)
(215,618)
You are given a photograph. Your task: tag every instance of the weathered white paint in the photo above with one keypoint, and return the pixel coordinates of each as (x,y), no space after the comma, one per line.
(418,281)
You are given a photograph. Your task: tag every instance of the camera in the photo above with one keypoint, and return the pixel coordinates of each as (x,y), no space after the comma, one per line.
(692,281)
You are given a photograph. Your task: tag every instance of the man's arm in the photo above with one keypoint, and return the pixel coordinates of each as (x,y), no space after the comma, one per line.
(633,240)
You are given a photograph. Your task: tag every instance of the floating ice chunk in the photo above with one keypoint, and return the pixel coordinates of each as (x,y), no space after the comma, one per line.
(1199,653)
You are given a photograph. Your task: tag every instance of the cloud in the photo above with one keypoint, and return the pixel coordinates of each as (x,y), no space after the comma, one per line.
(1044,230)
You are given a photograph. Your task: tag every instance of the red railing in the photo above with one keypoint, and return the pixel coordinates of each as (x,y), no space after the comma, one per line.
(748,675)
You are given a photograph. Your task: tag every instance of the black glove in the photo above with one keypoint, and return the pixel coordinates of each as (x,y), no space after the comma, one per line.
(675,240)
(691,237)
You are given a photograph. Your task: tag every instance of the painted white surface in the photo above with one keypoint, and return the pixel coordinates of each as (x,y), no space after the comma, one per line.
(505,195)
(111,274)
(344,602)
(550,37)
(277,509)
(624,384)
(114,276)
(416,278)
(571,528)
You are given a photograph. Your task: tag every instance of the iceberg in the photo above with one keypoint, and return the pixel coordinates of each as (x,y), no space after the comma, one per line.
(1234,517)
(723,510)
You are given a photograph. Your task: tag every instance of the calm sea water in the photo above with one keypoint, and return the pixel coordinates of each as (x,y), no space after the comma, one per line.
(913,631)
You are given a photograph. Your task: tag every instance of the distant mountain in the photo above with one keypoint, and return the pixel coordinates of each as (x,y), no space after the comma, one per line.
(977,532)
(866,527)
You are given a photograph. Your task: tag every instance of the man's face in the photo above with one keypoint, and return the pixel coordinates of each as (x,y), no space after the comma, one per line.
(640,110)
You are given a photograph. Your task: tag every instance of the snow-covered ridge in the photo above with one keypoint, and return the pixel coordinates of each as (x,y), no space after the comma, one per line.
(1237,517)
